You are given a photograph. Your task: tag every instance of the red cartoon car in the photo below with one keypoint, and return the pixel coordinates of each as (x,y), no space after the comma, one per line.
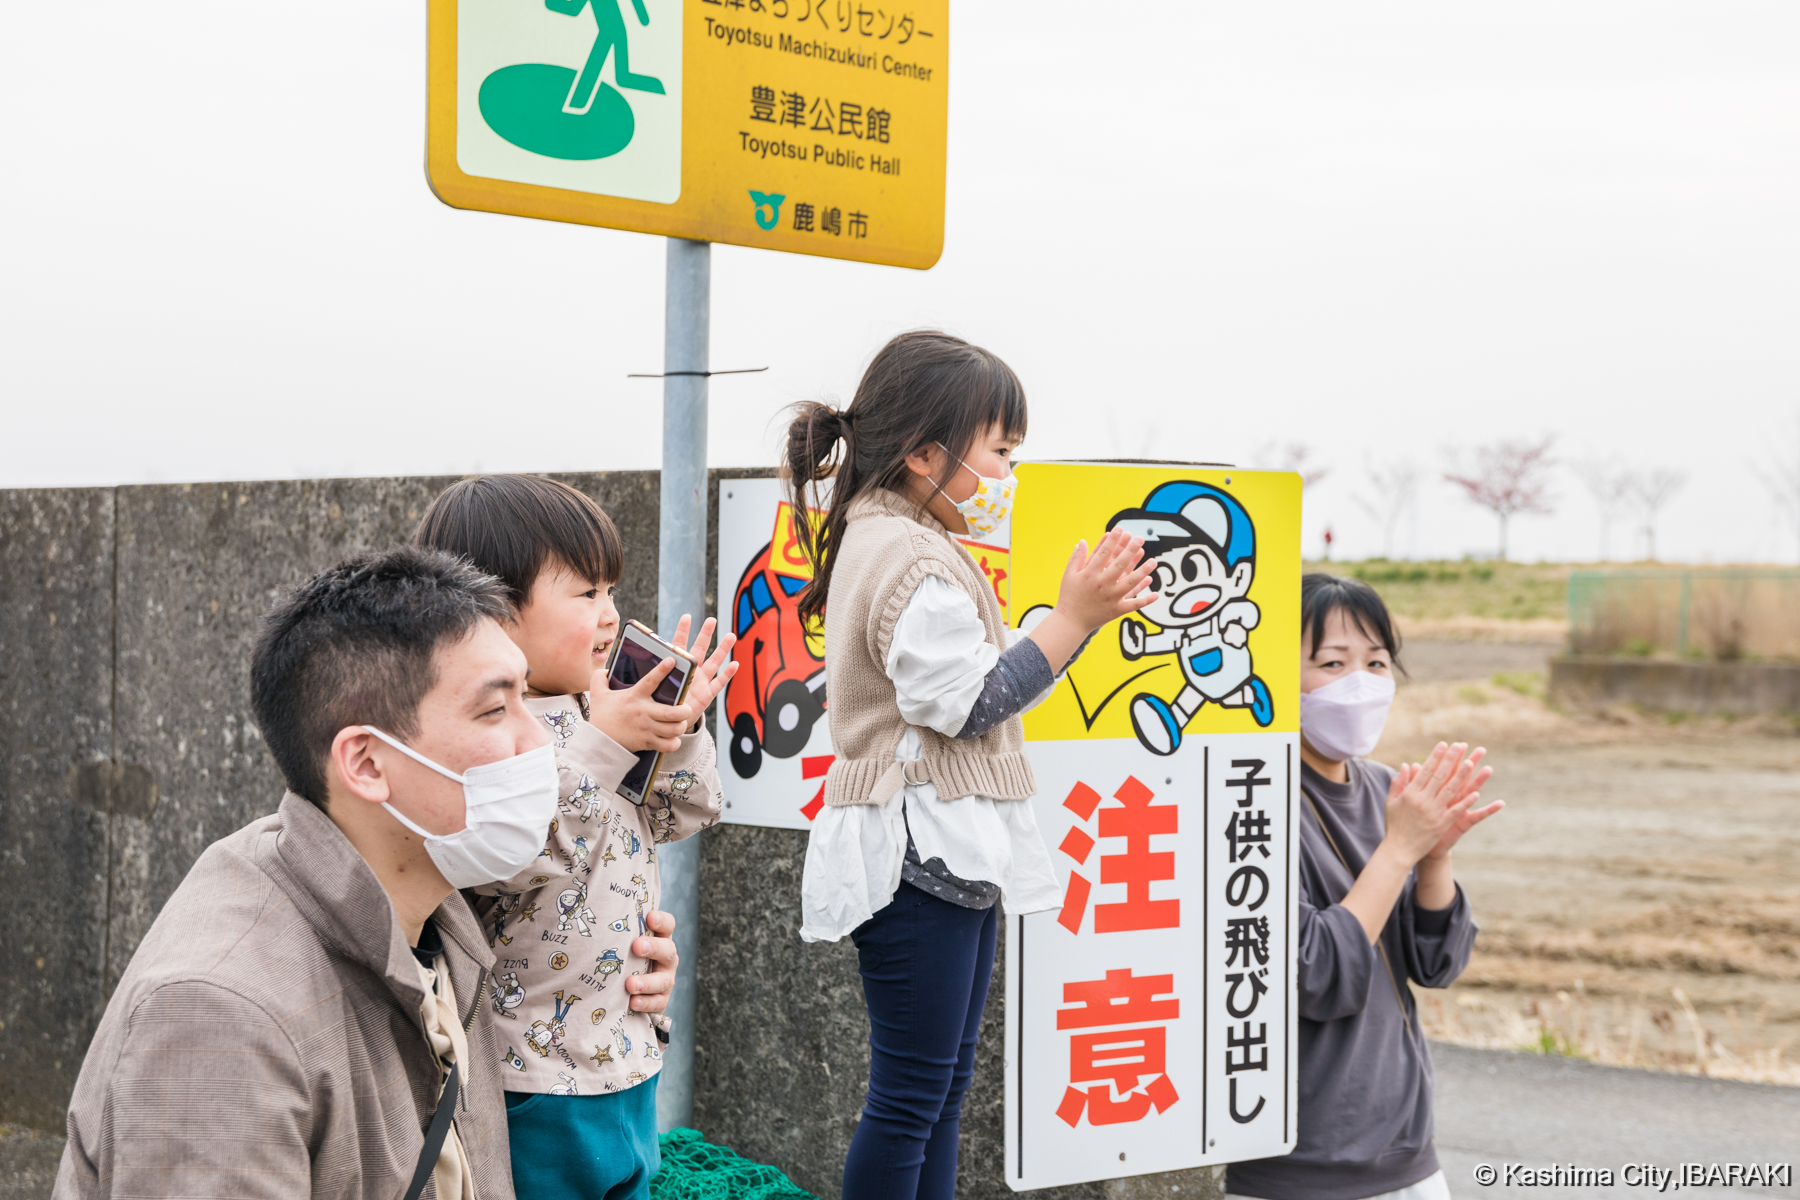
(778,693)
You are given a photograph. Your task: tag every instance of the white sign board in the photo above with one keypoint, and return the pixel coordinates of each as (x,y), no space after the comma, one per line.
(1150,1021)
(774,739)
(774,742)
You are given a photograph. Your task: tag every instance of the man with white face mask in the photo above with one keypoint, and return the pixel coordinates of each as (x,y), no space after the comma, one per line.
(305,1015)
(1378,906)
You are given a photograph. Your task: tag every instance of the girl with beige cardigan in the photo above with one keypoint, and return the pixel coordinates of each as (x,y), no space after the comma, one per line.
(923,829)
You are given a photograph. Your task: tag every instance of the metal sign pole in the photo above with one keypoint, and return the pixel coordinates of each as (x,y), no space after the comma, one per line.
(681,588)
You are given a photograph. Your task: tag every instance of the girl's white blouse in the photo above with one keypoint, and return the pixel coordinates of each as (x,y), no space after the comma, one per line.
(939,657)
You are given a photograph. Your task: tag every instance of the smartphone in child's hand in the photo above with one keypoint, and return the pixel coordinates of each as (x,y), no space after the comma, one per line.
(636,653)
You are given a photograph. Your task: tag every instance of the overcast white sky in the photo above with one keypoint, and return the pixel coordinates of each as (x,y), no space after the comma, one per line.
(1381,229)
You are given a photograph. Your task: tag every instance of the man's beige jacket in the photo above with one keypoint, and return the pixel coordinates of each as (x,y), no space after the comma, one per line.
(266,1039)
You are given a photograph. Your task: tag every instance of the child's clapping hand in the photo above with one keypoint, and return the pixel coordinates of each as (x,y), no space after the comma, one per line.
(1110,582)
(1096,588)
(635,719)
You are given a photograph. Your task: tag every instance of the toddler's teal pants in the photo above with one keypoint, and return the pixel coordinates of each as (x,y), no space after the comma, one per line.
(601,1146)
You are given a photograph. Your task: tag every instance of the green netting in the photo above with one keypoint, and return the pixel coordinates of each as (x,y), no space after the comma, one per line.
(1726,613)
(695,1169)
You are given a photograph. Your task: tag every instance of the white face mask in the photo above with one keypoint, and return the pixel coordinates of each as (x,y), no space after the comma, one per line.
(993,499)
(508,806)
(1344,719)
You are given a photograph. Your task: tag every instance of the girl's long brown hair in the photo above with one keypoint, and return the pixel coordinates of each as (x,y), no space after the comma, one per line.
(922,387)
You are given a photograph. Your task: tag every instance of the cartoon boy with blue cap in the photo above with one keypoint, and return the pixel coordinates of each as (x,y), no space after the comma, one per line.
(1205,550)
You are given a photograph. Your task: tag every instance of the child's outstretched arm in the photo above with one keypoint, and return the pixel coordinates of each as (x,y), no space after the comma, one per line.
(1096,588)
(1018,677)
(937,677)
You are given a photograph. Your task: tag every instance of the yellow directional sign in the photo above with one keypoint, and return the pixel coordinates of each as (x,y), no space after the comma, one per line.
(810,126)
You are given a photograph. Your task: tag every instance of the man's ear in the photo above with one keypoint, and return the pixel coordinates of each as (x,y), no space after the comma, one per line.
(1241,576)
(354,767)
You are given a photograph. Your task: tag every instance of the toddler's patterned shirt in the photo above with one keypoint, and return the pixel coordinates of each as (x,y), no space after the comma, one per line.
(562,929)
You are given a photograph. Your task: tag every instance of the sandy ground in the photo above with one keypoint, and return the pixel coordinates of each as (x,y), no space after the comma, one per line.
(1639,899)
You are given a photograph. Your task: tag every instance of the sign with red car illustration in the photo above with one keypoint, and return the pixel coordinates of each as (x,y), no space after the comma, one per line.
(772,717)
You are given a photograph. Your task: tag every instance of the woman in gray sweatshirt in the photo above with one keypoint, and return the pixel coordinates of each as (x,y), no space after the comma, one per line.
(1378,905)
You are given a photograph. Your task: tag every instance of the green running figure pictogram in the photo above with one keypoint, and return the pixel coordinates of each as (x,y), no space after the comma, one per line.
(555,112)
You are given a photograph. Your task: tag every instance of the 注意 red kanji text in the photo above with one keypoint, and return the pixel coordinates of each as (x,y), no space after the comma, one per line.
(1119,999)
(1113,1062)
(1137,820)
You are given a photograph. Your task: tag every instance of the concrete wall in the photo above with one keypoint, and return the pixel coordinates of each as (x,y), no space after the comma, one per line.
(56,694)
(1676,685)
(127,747)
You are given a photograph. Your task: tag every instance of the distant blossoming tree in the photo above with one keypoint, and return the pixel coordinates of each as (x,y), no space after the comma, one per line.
(1509,478)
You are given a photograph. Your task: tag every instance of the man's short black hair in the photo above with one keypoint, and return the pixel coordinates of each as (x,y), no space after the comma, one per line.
(1322,594)
(355,645)
(514,526)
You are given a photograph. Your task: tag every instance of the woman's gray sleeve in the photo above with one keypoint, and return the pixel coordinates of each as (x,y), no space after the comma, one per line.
(1436,944)
(1334,962)
(1018,677)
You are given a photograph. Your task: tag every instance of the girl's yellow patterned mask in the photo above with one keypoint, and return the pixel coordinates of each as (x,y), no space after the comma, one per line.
(991,502)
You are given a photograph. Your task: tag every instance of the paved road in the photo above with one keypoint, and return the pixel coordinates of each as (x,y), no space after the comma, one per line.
(1494,1107)
(1500,1107)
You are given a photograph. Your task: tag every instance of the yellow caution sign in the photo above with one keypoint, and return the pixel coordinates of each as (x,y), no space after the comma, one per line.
(808,126)
(1219,651)
(1164,765)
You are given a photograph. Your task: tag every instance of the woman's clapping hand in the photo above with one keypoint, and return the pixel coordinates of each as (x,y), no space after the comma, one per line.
(1430,805)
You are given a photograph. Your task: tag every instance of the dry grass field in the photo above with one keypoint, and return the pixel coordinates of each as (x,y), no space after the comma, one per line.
(1639,899)
(1459,591)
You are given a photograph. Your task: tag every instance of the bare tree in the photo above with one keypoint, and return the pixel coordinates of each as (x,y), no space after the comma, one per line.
(1509,478)
(1295,457)
(1649,493)
(1393,489)
(1782,477)
(1610,483)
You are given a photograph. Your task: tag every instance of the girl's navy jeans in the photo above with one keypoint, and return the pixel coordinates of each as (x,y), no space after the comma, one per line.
(925,968)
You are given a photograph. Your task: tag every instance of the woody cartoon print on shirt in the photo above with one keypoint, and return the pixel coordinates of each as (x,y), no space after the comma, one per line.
(592,886)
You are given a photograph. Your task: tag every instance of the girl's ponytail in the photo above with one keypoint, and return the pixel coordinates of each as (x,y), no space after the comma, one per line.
(812,455)
(920,388)
(812,441)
